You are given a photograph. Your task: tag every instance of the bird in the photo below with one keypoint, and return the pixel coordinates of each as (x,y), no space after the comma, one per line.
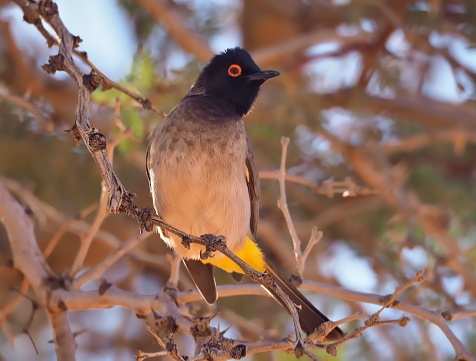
(204,179)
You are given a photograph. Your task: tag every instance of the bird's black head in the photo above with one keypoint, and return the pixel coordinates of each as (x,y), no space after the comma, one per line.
(234,76)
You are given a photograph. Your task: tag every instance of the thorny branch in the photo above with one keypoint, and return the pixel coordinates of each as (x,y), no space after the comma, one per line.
(30,261)
(33,16)
(213,244)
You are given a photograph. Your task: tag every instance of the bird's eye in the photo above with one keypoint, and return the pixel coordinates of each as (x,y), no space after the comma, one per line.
(234,70)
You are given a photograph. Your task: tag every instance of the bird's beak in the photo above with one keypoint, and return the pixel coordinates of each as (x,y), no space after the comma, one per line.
(262,75)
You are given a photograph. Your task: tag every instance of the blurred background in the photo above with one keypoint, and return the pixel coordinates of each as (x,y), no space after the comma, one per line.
(379,94)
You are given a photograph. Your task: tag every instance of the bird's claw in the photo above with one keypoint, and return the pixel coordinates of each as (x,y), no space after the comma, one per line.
(186,242)
(210,248)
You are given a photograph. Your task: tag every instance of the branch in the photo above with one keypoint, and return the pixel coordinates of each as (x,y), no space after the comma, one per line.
(347,188)
(175,262)
(299,255)
(436,318)
(44,212)
(282,202)
(86,241)
(33,16)
(29,260)
(212,244)
(141,304)
(65,344)
(10,307)
(109,260)
(119,198)
(27,257)
(46,123)
(377,172)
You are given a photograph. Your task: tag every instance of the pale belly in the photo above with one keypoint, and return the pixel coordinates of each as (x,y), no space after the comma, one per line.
(200,195)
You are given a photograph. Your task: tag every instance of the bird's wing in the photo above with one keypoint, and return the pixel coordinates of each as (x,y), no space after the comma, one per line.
(252,180)
(147,157)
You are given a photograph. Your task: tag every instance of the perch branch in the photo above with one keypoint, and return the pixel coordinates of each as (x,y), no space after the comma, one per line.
(212,244)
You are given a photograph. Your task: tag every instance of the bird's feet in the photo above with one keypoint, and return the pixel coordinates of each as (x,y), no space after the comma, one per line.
(210,242)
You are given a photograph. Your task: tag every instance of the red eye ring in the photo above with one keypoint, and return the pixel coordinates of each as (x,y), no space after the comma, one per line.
(234,70)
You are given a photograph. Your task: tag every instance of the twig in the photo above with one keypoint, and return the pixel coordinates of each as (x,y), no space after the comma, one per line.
(253,348)
(4,326)
(45,212)
(175,262)
(144,102)
(387,301)
(372,321)
(417,141)
(391,299)
(46,123)
(55,240)
(109,260)
(80,300)
(347,188)
(223,291)
(10,307)
(125,131)
(173,355)
(455,315)
(356,316)
(316,236)
(248,327)
(283,206)
(282,202)
(86,241)
(386,11)
(141,355)
(65,344)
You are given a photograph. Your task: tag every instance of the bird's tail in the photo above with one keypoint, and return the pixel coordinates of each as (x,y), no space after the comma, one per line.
(310,317)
